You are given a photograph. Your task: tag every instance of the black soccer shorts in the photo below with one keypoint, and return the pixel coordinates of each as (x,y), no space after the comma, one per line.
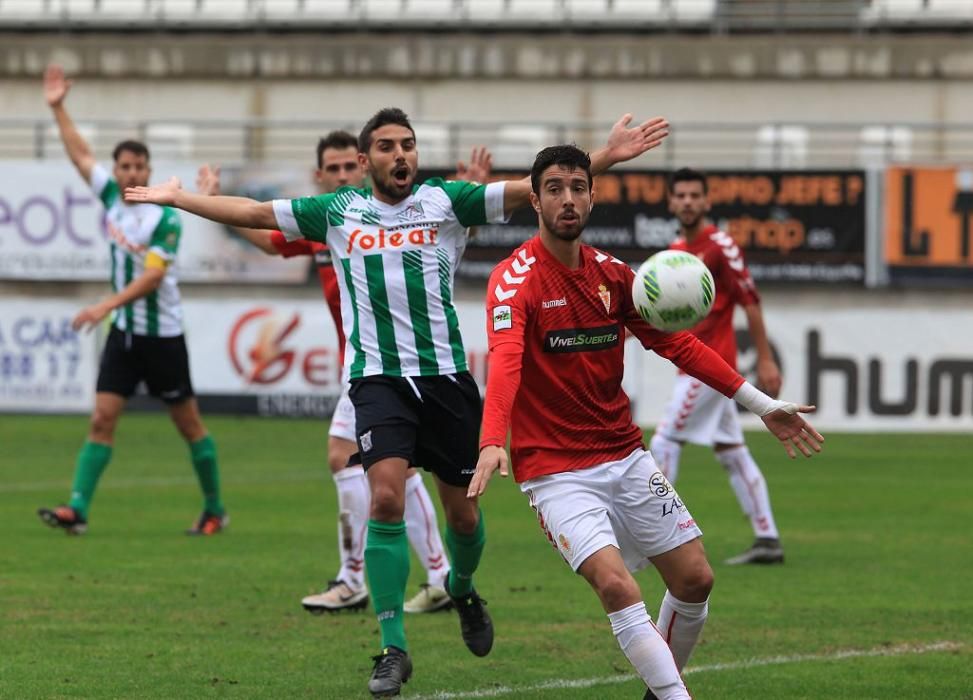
(162,363)
(431,422)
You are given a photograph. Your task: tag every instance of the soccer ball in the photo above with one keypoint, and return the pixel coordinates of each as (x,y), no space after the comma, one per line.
(673,290)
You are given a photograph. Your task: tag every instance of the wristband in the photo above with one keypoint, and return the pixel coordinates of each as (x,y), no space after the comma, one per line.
(756,401)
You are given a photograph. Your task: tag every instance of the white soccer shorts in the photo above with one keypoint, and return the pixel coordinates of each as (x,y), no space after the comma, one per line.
(627,504)
(343,419)
(701,415)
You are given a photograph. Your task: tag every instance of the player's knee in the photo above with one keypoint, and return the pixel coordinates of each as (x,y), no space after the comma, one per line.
(388,504)
(462,520)
(617,590)
(102,425)
(695,583)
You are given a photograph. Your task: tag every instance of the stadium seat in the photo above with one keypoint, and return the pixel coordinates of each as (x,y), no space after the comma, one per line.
(651,11)
(878,145)
(170,141)
(517,144)
(781,146)
(692,11)
(433,141)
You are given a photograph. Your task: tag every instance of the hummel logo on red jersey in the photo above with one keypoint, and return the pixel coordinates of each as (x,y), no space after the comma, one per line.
(551,303)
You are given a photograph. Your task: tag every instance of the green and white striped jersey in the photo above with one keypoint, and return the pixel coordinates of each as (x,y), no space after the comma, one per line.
(134,230)
(395,266)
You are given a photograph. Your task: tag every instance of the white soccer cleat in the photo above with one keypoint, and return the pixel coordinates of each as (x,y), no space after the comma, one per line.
(428,599)
(338,596)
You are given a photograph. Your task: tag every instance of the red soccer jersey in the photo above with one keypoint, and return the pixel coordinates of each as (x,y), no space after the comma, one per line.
(556,360)
(733,286)
(326,275)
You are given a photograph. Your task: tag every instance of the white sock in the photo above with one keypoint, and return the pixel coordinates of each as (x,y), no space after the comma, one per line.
(423,531)
(354,500)
(680,623)
(751,489)
(647,651)
(666,453)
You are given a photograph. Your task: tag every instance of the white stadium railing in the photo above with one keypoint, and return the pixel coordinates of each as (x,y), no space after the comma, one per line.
(621,15)
(441,144)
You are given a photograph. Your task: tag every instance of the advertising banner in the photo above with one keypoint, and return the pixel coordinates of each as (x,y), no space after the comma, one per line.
(800,226)
(229,343)
(929,224)
(45,367)
(52,228)
(866,367)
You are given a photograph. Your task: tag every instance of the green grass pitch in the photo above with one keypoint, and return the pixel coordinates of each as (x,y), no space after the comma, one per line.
(878,532)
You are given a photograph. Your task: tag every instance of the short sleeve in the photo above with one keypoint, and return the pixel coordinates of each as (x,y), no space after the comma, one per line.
(165,237)
(103,185)
(474,204)
(306,217)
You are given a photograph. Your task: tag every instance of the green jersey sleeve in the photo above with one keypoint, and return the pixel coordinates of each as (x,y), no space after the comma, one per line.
(473,204)
(306,217)
(104,185)
(165,237)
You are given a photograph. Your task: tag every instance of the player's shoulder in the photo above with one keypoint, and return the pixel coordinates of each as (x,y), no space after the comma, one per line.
(170,215)
(512,276)
(605,263)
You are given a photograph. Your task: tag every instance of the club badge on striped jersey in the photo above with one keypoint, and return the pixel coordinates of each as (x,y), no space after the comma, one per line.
(606,297)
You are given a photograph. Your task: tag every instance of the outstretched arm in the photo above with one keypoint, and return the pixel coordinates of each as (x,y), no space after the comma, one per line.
(56,88)
(208,183)
(624,143)
(234,211)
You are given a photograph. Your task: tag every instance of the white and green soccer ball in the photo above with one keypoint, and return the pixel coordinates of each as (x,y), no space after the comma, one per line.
(673,290)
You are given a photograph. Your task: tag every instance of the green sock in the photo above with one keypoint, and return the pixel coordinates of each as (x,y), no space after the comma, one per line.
(464,556)
(387,568)
(208,472)
(92,460)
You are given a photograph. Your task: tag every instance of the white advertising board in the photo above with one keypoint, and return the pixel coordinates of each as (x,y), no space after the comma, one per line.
(865,368)
(52,228)
(44,365)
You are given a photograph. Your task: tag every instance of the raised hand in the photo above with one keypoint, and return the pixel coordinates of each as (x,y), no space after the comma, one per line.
(56,86)
(208,180)
(480,167)
(625,143)
(156,194)
(792,430)
(491,459)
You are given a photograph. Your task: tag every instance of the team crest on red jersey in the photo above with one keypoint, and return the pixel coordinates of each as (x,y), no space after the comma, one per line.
(606,297)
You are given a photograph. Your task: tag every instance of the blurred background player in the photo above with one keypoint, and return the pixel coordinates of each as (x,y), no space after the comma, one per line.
(338,166)
(577,454)
(398,245)
(146,340)
(697,413)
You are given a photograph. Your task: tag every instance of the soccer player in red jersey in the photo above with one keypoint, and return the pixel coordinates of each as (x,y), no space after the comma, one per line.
(338,165)
(697,413)
(557,312)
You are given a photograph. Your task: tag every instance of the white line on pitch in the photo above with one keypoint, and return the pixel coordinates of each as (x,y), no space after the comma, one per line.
(899,650)
(137,481)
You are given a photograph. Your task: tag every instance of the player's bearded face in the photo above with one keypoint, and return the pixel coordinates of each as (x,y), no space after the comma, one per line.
(339,167)
(131,170)
(688,202)
(393,161)
(564,202)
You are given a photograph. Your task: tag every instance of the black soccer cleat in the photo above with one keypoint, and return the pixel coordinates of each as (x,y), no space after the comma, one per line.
(64,517)
(393,667)
(474,622)
(765,550)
